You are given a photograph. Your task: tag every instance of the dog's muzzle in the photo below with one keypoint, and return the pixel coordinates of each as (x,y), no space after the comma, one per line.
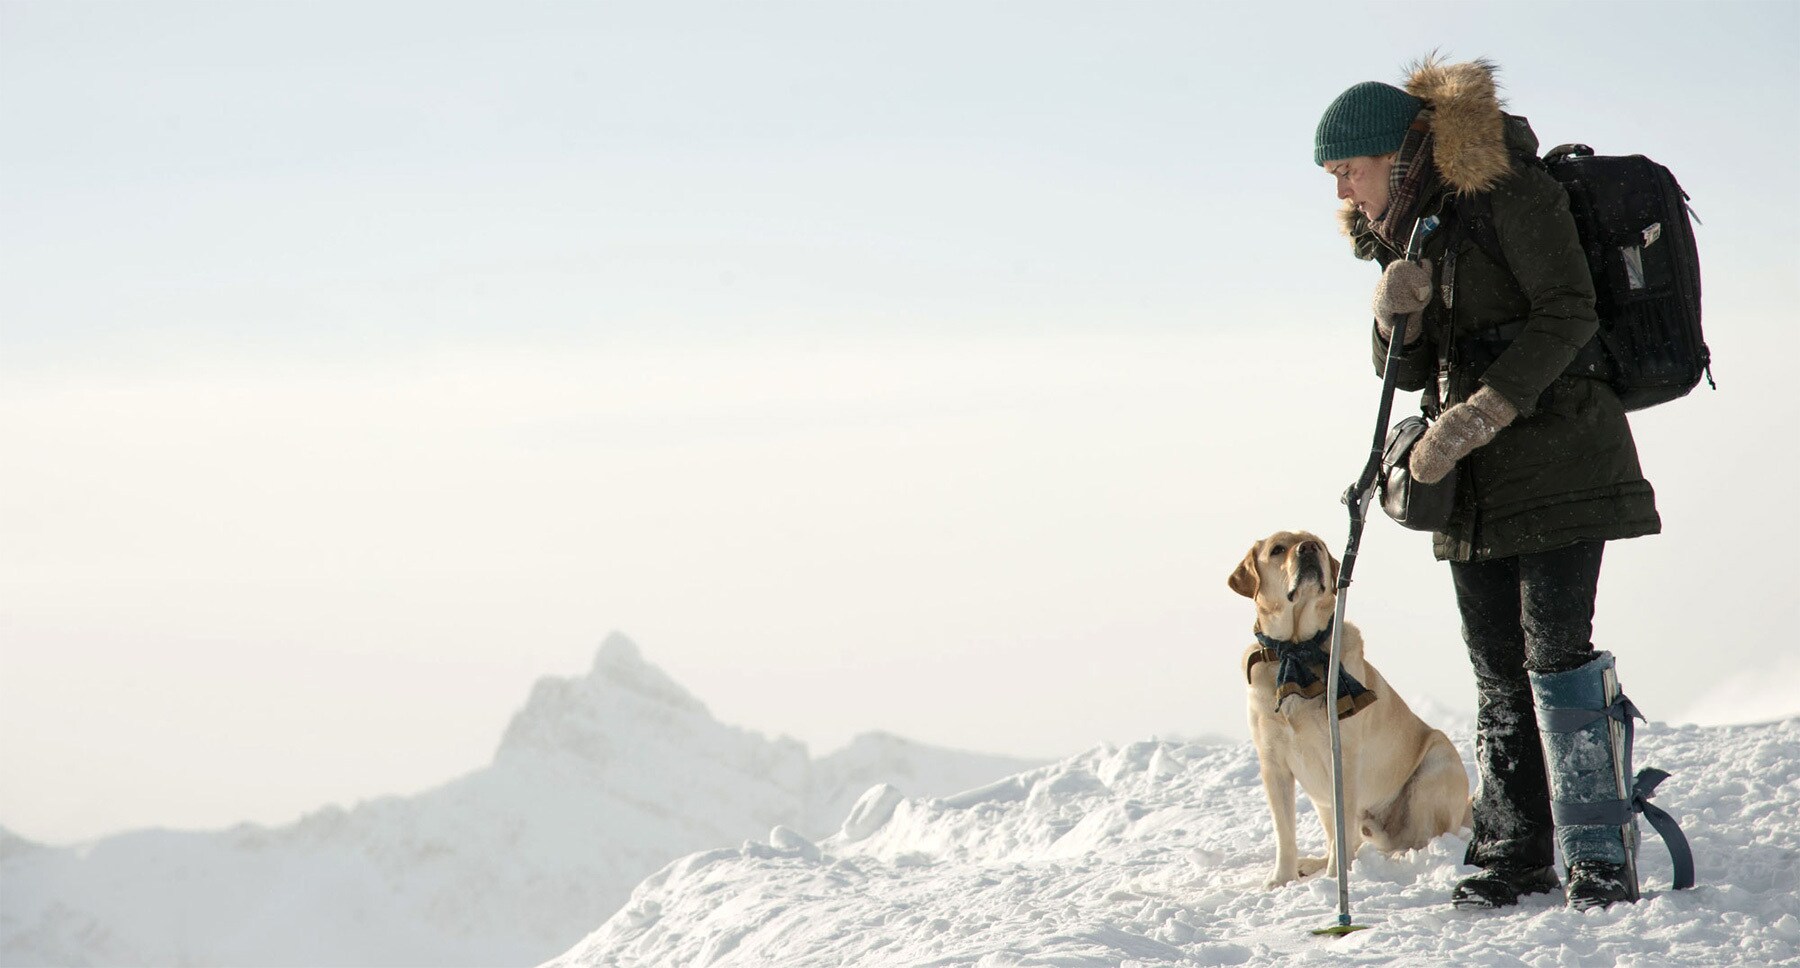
(1310,566)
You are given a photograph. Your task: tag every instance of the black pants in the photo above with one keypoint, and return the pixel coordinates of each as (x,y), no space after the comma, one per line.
(1532,612)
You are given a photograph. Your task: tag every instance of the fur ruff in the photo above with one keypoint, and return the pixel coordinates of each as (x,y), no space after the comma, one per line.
(1470,138)
(1468,129)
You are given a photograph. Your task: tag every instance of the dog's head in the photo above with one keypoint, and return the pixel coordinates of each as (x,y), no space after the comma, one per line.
(1292,579)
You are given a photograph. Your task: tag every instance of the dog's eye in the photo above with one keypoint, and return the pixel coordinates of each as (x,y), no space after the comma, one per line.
(1275,550)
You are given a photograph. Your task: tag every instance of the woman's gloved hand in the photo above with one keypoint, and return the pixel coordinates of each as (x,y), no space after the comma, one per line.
(1403,290)
(1460,430)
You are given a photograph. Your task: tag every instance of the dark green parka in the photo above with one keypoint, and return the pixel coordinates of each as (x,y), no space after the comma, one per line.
(1566,469)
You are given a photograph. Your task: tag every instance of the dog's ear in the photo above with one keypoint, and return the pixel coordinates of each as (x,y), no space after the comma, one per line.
(1246,580)
(1331,583)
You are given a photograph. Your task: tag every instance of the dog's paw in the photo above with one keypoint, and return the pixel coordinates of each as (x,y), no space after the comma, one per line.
(1311,865)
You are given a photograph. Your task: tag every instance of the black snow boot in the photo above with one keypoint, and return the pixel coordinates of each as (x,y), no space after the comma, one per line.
(1597,884)
(1499,887)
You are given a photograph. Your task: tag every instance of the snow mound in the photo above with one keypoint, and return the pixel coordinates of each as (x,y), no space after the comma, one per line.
(1154,854)
(599,780)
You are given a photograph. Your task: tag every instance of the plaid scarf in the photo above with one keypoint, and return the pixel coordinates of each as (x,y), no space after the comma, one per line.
(1414,172)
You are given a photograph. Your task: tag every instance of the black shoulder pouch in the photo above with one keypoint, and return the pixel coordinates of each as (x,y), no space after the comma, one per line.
(1415,505)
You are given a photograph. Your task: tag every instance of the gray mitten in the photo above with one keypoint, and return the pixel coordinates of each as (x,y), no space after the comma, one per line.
(1460,430)
(1403,290)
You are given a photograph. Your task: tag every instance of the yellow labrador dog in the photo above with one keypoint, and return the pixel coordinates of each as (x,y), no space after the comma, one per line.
(1403,782)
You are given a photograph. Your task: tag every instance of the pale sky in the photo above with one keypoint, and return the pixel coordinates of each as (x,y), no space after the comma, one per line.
(922,367)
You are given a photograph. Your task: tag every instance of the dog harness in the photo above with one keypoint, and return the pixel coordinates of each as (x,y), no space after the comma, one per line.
(1302,671)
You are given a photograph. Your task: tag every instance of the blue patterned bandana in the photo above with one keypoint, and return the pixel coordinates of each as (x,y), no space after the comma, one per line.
(1302,672)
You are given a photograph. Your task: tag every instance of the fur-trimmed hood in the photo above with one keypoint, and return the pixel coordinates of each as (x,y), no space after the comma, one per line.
(1467,125)
(1469,133)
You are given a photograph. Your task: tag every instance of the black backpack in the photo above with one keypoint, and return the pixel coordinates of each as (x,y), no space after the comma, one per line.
(1633,219)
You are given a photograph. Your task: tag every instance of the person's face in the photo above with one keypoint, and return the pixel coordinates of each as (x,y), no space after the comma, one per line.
(1363,180)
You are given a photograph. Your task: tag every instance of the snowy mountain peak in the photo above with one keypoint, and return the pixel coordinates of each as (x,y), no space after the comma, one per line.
(602,778)
(586,716)
(620,664)
(618,650)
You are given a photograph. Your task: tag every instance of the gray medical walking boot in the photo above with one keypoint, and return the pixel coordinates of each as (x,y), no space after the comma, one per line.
(1584,722)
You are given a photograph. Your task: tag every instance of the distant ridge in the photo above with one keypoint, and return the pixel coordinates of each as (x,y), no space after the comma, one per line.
(598,780)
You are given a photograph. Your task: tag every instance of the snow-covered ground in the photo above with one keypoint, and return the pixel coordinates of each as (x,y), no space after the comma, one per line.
(600,780)
(1154,854)
(1151,854)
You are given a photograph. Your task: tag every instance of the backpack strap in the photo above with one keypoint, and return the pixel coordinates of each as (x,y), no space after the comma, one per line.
(1560,152)
(1477,208)
(1474,218)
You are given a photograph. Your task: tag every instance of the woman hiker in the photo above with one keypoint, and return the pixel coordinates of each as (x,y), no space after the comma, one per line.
(1547,474)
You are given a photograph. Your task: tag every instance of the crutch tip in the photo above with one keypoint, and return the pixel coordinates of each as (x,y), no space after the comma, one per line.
(1339,930)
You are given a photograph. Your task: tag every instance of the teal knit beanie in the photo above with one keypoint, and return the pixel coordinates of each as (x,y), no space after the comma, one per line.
(1369,119)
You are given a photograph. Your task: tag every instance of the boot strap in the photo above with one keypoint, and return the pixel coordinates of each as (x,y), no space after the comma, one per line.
(1679,853)
(1612,813)
(1564,720)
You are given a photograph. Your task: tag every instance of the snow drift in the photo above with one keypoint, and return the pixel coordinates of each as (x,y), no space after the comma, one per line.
(599,781)
(1154,854)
